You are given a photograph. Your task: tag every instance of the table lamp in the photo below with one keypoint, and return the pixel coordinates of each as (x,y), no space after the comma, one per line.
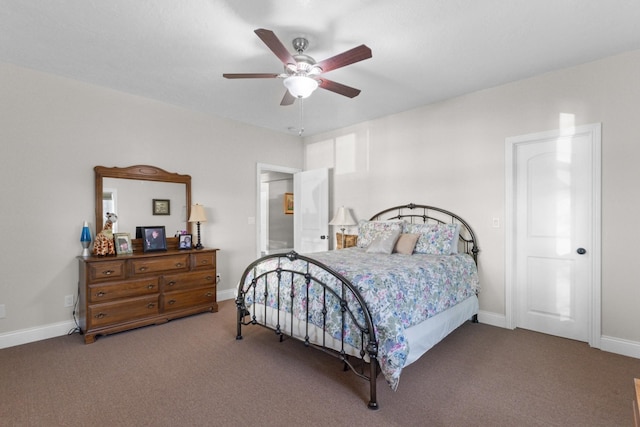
(343,219)
(198,216)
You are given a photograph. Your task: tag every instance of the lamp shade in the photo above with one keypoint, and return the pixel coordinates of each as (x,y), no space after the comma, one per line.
(343,217)
(300,86)
(197,214)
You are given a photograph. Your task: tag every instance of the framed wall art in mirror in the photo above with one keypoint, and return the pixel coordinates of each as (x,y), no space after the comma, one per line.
(161,207)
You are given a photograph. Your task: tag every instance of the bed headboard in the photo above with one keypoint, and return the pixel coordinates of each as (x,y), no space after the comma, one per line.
(413,213)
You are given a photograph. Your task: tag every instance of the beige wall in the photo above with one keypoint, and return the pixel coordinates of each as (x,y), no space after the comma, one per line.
(452,155)
(53,131)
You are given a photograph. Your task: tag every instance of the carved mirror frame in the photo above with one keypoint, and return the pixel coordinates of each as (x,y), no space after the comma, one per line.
(145,173)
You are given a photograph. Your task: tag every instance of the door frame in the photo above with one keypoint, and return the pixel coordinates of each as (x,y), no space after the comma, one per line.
(595,298)
(260,169)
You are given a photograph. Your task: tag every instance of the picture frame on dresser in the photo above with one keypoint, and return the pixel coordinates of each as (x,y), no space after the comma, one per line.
(154,239)
(185,241)
(122,242)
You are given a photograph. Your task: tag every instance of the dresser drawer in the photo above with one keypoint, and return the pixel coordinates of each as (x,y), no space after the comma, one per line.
(122,311)
(176,282)
(164,263)
(109,291)
(108,270)
(188,299)
(202,261)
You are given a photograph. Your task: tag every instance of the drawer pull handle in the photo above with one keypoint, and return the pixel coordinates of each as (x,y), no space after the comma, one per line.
(209,277)
(171,302)
(108,272)
(100,294)
(171,283)
(151,305)
(151,286)
(179,264)
(209,295)
(100,316)
(143,268)
(204,262)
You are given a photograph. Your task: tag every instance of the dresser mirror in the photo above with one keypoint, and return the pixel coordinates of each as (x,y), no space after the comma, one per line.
(143,195)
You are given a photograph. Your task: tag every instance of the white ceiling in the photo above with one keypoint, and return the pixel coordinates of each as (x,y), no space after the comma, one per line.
(423,50)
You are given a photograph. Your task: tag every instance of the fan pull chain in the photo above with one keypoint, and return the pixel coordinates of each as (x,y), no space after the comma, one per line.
(301,129)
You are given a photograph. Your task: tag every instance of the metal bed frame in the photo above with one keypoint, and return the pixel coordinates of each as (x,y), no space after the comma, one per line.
(345,292)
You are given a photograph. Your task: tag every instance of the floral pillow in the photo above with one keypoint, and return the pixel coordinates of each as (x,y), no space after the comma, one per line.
(435,239)
(369,230)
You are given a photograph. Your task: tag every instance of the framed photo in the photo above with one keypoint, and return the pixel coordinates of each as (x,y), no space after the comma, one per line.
(153,239)
(123,243)
(185,241)
(288,203)
(161,207)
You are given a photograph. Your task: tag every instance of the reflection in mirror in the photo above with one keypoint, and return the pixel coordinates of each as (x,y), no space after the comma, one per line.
(129,193)
(132,201)
(110,203)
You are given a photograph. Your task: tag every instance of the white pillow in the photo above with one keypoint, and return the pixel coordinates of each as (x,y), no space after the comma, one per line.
(384,244)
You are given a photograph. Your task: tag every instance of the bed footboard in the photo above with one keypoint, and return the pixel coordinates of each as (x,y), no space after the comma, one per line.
(302,298)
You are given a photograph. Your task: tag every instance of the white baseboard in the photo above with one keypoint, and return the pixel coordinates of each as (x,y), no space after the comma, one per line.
(38,333)
(226,294)
(610,344)
(493,319)
(24,336)
(620,346)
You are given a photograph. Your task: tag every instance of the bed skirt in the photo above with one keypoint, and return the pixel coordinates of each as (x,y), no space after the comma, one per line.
(421,337)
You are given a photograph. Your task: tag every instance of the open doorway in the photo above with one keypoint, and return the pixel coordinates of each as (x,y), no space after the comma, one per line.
(274,227)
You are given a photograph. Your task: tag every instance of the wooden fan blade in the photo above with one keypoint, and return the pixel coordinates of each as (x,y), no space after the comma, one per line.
(287,99)
(276,46)
(339,88)
(349,57)
(250,76)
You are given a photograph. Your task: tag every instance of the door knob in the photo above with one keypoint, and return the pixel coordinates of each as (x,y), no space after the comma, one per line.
(581,251)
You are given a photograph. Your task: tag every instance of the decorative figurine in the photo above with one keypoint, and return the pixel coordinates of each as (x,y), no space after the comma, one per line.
(104,240)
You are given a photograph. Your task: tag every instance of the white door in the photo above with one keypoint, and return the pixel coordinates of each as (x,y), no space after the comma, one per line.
(311,211)
(555,243)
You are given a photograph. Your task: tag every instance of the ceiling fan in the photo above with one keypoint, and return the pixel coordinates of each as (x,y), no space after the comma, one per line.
(302,74)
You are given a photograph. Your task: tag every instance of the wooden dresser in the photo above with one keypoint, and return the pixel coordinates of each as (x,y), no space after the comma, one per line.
(118,293)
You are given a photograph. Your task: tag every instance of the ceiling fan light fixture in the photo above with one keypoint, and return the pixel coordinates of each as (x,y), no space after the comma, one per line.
(300,86)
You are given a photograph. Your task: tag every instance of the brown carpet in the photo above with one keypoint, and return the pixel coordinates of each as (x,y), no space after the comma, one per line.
(192,372)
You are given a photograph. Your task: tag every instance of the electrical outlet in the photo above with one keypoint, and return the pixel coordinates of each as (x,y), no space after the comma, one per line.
(68,301)
(3,311)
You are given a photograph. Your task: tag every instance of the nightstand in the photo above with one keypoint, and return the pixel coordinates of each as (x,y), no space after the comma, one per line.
(349,240)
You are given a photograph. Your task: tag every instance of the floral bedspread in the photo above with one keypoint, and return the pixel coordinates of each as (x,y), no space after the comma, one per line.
(400,291)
